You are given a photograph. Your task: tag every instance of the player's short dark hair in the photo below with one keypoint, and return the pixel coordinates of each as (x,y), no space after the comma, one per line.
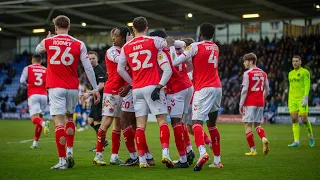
(159,33)
(124,31)
(207,30)
(297,56)
(187,40)
(93,52)
(140,24)
(61,21)
(250,57)
(37,58)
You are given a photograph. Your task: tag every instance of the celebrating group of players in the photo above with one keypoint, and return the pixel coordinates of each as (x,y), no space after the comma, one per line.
(146,74)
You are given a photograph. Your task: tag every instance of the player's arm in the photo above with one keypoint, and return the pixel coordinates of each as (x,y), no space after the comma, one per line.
(164,64)
(160,43)
(122,64)
(24,76)
(113,55)
(266,88)
(186,55)
(40,47)
(90,73)
(101,79)
(306,84)
(244,91)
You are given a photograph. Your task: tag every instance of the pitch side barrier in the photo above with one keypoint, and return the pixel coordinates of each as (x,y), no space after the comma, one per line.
(283,115)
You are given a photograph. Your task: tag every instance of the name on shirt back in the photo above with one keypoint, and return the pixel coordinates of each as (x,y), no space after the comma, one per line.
(62,41)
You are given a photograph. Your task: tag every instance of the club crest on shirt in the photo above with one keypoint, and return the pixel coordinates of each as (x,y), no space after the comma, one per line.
(188,47)
(160,57)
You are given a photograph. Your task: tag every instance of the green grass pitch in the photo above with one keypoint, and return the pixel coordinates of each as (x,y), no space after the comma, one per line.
(18,161)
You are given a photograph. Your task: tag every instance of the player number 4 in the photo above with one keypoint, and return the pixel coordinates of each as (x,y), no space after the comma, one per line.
(145,63)
(213,59)
(64,56)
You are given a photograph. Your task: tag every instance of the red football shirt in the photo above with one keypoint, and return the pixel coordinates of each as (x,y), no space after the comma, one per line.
(141,54)
(205,55)
(36,78)
(64,53)
(115,81)
(255,79)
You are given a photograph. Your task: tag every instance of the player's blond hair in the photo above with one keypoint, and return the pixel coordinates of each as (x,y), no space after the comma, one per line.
(250,57)
(188,40)
(61,21)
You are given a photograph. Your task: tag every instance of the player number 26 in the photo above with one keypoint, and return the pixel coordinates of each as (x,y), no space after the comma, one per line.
(65,55)
(145,63)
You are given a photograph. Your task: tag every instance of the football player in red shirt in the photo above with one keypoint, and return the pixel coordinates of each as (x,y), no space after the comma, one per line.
(144,59)
(208,92)
(254,91)
(34,77)
(64,53)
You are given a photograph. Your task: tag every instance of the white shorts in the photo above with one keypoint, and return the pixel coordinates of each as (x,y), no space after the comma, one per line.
(188,99)
(62,101)
(37,104)
(176,103)
(206,100)
(143,104)
(111,105)
(252,114)
(127,103)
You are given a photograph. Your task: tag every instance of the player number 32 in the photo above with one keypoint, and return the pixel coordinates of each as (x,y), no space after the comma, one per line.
(145,63)
(65,55)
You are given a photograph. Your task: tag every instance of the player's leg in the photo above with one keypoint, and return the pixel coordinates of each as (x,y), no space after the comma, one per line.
(214,99)
(187,124)
(247,119)
(250,139)
(200,109)
(70,129)
(160,110)
(307,125)
(110,109)
(293,109)
(262,134)
(34,102)
(176,110)
(57,98)
(116,138)
(129,134)
(43,107)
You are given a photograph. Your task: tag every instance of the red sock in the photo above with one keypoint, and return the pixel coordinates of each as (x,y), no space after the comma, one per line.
(141,141)
(128,134)
(250,139)
(37,121)
(198,135)
(37,132)
(115,141)
(215,137)
(179,139)
(260,132)
(186,135)
(207,140)
(101,139)
(164,136)
(70,131)
(61,140)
